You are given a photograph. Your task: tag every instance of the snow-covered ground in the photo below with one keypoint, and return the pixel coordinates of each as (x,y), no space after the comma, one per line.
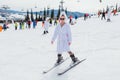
(25,54)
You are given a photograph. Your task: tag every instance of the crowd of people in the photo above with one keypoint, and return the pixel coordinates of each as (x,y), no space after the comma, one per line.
(21,25)
(106,14)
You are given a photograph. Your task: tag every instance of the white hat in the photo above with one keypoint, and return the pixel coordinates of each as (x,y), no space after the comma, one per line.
(63,13)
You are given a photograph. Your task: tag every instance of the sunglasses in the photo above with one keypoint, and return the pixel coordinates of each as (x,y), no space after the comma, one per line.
(62,18)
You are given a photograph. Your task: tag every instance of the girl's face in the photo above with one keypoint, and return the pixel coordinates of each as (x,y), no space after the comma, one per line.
(62,19)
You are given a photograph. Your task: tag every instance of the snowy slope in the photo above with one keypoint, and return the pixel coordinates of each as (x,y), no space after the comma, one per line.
(25,54)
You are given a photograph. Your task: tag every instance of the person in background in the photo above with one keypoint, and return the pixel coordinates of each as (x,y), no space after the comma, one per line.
(16,25)
(109,14)
(34,24)
(55,22)
(46,26)
(20,25)
(29,24)
(5,26)
(103,15)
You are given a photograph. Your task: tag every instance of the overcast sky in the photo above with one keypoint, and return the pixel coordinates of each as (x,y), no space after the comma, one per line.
(72,5)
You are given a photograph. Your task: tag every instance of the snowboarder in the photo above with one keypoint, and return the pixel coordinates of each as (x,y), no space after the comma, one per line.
(63,34)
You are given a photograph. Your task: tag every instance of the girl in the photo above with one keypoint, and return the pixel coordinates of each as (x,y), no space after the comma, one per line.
(63,34)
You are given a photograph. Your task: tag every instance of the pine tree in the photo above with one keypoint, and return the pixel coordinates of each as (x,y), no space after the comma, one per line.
(52,14)
(116,7)
(66,11)
(48,12)
(44,14)
(58,13)
(36,17)
(27,16)
(39,17)
(32,19)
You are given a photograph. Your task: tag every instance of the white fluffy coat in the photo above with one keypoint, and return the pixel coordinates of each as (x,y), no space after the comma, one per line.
(63,35)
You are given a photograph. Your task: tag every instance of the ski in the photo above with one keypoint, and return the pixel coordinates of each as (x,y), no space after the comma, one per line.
(70,67)
(44,72)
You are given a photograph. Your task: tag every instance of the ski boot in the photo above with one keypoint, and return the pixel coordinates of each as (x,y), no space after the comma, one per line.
(59,60)
(46,31)
(74,59)
(108,20)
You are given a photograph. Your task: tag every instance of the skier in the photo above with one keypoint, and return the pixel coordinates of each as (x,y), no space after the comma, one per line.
(76,17)
(99,13)
(108,15)
(46,25)
(70,21)
(63,34)
(20,25)
(103,15)
(85,16)
(43,23)
(5,26)
(0,28)
(114,12)
(55,22)
(23,25)
(16,25)
(29,24)
(50,21)
(34,24)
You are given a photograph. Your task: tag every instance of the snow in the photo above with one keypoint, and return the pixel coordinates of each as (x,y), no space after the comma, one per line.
(25,54)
